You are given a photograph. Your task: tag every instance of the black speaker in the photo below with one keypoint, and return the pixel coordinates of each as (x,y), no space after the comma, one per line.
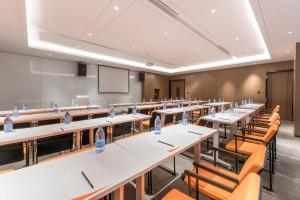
(142,76)
(82,69)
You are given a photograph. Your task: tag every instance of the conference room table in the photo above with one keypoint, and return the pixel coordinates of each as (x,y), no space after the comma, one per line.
(132,104)
(231,118)
(35,118)
(47,110)
(91,175)
(256,106)
(31,135)
(193,102)
(153,106)
(171,111)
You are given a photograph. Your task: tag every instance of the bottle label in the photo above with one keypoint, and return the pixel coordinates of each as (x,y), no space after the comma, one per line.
(100,144)
(67,120)
(157,129)
(184,121)
(8,128)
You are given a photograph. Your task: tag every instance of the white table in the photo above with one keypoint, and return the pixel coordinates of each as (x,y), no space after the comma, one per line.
(27,135)
(256,106)
(47,110)
(172,111)
(121,162)
(34,118)
(229,117)
(132,104)
(193,102)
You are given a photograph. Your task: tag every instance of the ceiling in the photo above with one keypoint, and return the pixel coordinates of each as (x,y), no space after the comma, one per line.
(176,36)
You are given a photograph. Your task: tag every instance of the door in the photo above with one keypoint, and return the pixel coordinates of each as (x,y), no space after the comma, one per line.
(177,88)
(280,92)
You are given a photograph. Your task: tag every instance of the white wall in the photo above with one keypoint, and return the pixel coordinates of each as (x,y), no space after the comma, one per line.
(38,80)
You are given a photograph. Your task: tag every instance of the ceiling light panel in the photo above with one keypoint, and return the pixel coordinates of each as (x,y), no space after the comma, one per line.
(110,30)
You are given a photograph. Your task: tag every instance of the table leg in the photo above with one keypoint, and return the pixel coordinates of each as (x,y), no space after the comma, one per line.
(119,193)
(216,125)
(141,127)
(78,139)
(91,136)
(197,151)
(140,188)
(163,117)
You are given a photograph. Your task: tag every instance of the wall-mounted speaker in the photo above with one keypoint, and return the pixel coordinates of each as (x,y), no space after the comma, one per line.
(142,76)
(82,69)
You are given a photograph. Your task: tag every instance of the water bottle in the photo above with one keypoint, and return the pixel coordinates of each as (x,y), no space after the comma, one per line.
(8,124)
(150,100)
(112,112)
(222,108)
(214,100)
(184,118)
(100,140)
(190,104)
(73,102)
(165,106)
(171,99)
(51,104)
(195,99)
(144,100)
(178,106)
(15,111)
(220,100)
(134,110)
(24,106)
(67,118)
(157,125)
(209,101)
(55,108)
(236,105)
(231,107)
(249,101)
(213,112)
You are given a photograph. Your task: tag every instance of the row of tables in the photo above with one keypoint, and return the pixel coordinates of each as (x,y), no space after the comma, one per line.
(122,161)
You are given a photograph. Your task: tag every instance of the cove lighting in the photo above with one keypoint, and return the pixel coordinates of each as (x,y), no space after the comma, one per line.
(34,41)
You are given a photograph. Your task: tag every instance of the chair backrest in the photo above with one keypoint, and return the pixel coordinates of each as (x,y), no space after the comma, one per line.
(248,189)
(270,133)
(121,129)
(11,153)
(255,162)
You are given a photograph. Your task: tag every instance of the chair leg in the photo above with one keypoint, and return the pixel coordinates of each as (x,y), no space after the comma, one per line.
(270,168)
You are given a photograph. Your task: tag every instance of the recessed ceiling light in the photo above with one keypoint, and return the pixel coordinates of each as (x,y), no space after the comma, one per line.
(287,51)
(166,33)
(290,32)
(116,8)
(90,34)
(213,11)
(237,39)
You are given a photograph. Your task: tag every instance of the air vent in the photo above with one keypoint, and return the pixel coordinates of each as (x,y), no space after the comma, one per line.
(172,13)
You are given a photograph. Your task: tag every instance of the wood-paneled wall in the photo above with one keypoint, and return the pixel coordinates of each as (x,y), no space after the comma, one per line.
(297,91)
(231,84)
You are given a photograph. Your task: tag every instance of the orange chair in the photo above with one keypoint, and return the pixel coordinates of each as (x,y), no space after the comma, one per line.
(248,144)
(248,189)
(254,164)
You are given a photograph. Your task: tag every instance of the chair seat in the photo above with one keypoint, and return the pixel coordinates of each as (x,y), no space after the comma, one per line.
(176,195)
(244,147)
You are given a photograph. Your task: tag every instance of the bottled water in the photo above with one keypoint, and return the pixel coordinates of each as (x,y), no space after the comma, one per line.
(209,101)
(165,106)
(190,104)
(178,106)
(171,99)
(8,124)
(184,118)
(55,108)
(150,100)
(51,104)
(15,111)
(231,107)
(157,125)
(134,110)
(214,100)
(67,118)
(73,102)
(144,100)
(24,106)
(249,101)
(100,140)
(112,112)
(220,100)
(236,105)
(195,98)
(213,112)
(222,108)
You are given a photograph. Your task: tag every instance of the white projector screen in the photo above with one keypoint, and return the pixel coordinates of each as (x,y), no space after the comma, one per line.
(113,80)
